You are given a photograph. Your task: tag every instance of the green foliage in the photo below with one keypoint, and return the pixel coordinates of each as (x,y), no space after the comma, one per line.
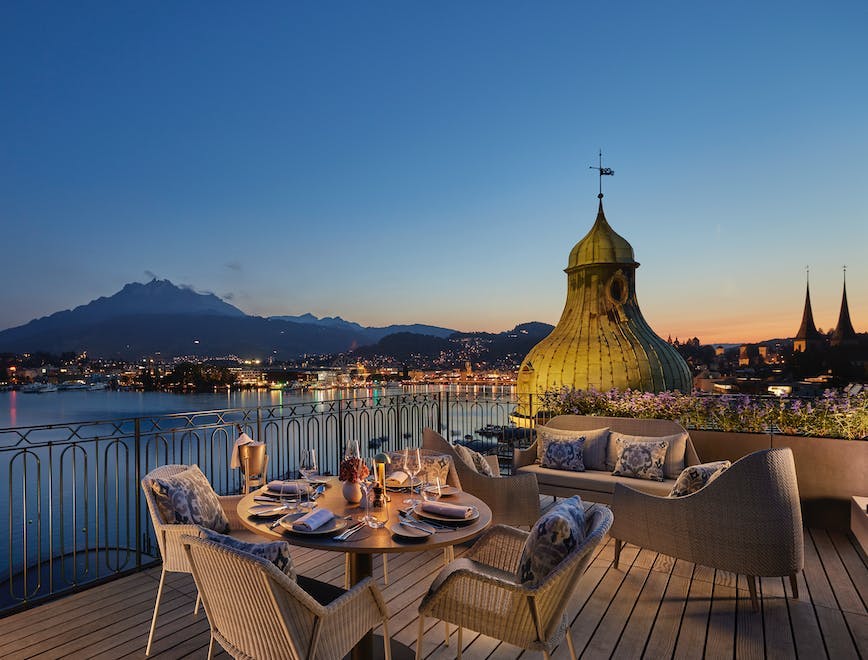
(834,415)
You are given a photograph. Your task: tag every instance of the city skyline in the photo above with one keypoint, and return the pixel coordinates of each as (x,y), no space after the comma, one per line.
(430,164)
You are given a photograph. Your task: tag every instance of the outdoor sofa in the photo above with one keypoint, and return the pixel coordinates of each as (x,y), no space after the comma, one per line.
(598,485)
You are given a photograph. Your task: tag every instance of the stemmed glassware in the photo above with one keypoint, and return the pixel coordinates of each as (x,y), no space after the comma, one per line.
(432,490)
(412,466)
(308,468)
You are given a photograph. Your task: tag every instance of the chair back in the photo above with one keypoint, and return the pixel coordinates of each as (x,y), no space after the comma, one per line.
(254,609)
(554,591)
(253,459)
(173,561)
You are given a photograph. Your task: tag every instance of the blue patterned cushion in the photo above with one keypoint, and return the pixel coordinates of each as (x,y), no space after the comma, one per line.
(565,455)
(555,535)
(596,444)
(640,460)
(697,477)
(187,498)
(277,552)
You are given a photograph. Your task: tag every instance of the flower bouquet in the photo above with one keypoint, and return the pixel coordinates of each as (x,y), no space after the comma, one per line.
(352,471)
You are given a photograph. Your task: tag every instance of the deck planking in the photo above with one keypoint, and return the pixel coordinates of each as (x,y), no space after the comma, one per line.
(651,607)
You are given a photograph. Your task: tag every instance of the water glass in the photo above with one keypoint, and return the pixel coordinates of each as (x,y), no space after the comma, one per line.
(412,466)
(432,490)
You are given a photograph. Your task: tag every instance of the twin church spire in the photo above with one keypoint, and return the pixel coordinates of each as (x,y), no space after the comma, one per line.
(808,337)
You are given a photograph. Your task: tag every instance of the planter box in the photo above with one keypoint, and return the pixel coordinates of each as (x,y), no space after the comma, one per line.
(727,445)
(829,470)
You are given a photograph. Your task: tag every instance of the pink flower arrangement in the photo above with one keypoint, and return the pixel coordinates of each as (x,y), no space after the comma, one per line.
(353,469)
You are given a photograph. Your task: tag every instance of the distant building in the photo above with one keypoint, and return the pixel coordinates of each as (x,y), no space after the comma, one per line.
(807,338)
(602,340)
(844,334)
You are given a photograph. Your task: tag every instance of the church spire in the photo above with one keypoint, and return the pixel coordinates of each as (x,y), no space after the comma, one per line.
(844,333)
(807,336)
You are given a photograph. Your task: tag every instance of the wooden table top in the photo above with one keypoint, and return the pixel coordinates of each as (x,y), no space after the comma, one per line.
(369,540)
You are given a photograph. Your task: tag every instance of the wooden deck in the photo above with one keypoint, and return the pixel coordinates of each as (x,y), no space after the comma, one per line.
(653,607)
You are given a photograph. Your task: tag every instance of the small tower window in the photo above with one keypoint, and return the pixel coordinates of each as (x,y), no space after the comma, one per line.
(617,289)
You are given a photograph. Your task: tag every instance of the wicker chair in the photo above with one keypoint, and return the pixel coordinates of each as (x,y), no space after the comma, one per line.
(746,521)
(255,611)
(481,592)
(169,535)
(513,500)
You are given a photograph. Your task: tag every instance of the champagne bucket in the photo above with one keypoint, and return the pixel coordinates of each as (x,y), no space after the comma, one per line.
(252,459)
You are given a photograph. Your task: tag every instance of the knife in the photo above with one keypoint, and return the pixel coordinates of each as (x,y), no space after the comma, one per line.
(414,525)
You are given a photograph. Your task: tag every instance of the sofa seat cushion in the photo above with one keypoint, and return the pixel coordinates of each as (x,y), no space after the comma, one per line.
(593,480)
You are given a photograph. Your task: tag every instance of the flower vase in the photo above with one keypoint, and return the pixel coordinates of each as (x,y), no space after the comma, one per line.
(352,492)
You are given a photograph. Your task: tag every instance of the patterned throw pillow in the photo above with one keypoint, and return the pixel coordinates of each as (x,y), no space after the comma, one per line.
(640,460)
(277,552)
(697,477)
(565,455)
(555,535)
(187,498)
(475,460)
(673,464)
(596,443)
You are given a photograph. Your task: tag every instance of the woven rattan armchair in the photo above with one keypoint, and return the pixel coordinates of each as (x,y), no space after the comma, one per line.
(747,520)
(169,535)
(256,611)
(513,500)
(481,591)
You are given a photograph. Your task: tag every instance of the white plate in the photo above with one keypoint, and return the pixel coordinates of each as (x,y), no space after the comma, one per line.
(334,525)
(415,481)
(445,491)
(267,510)
(408,532)
(474,514)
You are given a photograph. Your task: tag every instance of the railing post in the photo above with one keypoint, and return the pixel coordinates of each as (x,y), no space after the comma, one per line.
(137,436)
(447,415)
(259,424)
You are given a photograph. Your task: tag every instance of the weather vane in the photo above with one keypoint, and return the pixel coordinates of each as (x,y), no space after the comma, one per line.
(604,171)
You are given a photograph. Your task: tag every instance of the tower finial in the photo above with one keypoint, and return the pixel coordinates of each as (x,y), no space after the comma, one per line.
(604,171)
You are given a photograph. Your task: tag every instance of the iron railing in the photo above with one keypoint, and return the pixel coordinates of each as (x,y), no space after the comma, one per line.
(74,511)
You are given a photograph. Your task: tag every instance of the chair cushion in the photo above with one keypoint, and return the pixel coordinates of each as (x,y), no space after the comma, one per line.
(277,552)
(640,460)
(697,477)
(187,498)
(555,535)
(675,454)
(565,455)
(594,452)
(592,481)
(474,460)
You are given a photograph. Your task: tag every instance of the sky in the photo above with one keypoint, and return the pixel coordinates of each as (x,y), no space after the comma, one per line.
(409,162)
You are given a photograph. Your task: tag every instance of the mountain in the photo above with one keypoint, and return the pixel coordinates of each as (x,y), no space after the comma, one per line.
(160,317)
(372,334)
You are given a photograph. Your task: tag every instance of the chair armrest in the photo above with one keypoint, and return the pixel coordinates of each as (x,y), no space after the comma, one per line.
(500,547)
(492,461)
(522,457)
(170,538)
(230,508)
(465,596)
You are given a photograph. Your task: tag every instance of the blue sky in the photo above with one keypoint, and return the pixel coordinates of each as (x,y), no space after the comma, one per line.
(397,162)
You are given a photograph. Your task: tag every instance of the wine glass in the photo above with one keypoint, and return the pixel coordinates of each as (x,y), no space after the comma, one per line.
(367,485)
(308,468)
(412,466)
(352,450)
(432,490)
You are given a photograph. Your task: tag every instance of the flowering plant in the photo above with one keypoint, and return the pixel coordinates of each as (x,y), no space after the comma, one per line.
(353,469)
(834,414)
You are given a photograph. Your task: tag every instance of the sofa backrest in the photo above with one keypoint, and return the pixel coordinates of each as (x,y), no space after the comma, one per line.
(628,425)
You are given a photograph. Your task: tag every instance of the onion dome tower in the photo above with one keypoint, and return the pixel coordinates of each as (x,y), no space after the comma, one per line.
(807,338)
(844,334)
(602,340)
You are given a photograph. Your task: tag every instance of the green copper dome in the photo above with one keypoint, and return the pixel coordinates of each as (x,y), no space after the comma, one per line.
(602,341)
(601,245)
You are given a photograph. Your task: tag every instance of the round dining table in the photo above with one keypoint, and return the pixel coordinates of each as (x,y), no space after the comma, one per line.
(368,541)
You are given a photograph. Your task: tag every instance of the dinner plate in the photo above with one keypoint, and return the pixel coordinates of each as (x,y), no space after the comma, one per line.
(445,491)
(267,510)
(474,514)
(332,526)
(408,532)
(415,481)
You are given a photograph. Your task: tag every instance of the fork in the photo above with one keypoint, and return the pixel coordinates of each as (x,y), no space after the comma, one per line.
(343,536)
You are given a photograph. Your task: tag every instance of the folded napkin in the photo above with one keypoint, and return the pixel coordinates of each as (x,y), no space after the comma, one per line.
(397,478)
(447,510)
(313,520)
(286,487)
(243,439)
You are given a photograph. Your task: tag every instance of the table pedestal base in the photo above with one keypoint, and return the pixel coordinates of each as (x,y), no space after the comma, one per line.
(399,651)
